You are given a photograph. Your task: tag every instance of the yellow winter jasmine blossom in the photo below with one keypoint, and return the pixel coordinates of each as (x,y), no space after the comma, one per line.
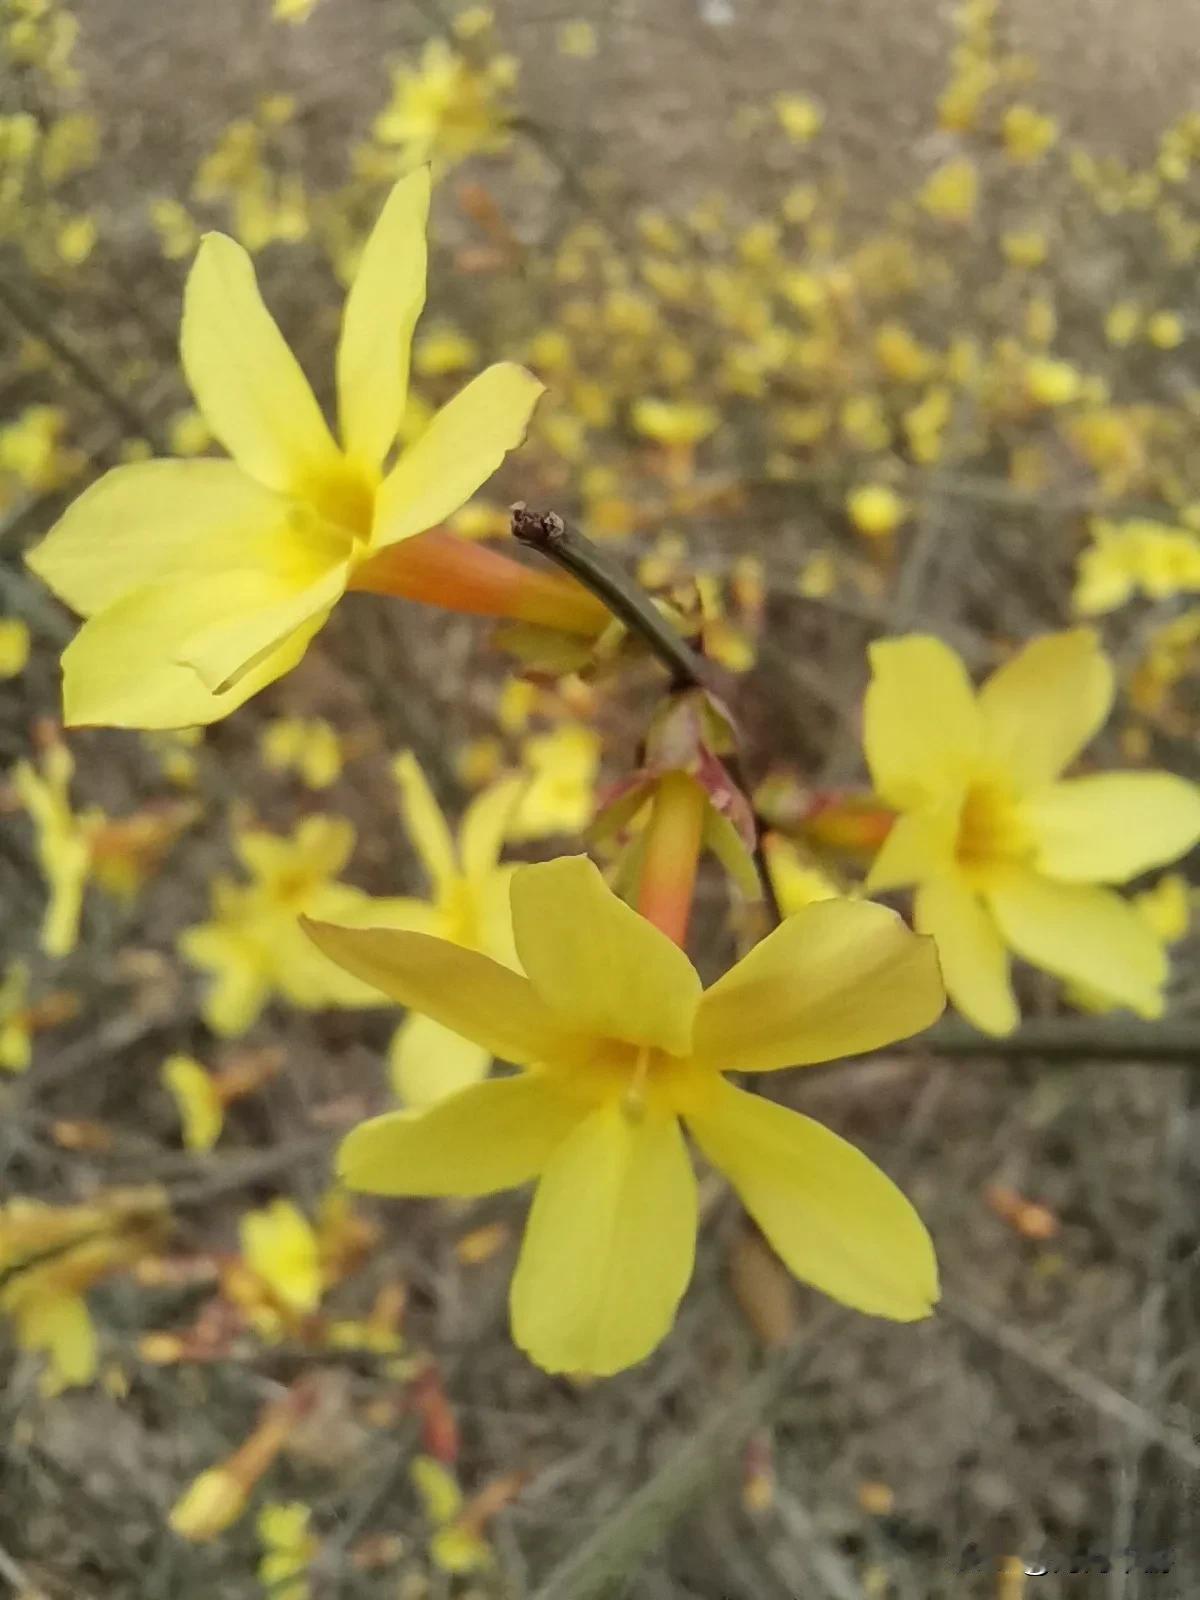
(288,1547)
(253,945)
(201,1109)
(280,1247)
(16,1029)
(203,580)
(469,907)
(562,766)
(618,1045)
(1006,854)
(62,844)
(51,1255)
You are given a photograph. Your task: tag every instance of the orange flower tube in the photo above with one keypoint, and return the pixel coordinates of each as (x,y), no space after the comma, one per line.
(439,568)
(672,854)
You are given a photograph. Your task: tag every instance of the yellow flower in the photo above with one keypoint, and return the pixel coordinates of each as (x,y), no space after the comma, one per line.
(950,193)
(1137,554)
(456,1546)
(288,1548)
(1024,248)
(63,846)
(209,1505)
(293,11)
(447,109)
(76,240)
(1005,853)
(799,117)
(310,747)
(1027,134)
(204,580)
(14,646)
(1051,382)
(16,1028)
(618,1043)
(280,1247)
(1165,329)
(875,510)
(673,422)
(51,1255)
(901,355)
(177,232)
(469,907)
(253,944)
(1122,323)
(561,796)
(444,350)
(201,1109)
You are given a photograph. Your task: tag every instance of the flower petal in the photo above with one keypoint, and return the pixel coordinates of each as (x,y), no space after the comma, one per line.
(920,721)
(970,950)
(609,1246)
(836,978)
(1042,707)
(1081,933)
(62,1327)
(119,671)
(494,1135)
(459,450)
(245,380)
(595,963)
(485,826)
(154,520)
(919,844)
(1108,828)
(475,996)
(380,314)
(426,1061)
(260,611)
(832,1216)
(424,821)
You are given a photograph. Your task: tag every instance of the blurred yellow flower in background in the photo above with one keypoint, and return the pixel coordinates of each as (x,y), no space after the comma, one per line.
(16,1048)
(446,108)
(951,193)
(875,510)
(195,1092)
(618,1043)
(1005,853)
(51,1255)
(204,580)
(281,1248)
(469,907)
(562,767)
(455,1545)
(308,746)
(63,845)
(14,646)
(288,1546)
(253,945)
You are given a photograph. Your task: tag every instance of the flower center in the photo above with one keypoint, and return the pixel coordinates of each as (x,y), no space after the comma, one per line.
(990,829)
(345,502)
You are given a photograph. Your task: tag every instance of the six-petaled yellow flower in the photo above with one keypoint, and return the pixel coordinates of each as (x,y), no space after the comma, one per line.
(619,1045)
(202,580)
(1005,853)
